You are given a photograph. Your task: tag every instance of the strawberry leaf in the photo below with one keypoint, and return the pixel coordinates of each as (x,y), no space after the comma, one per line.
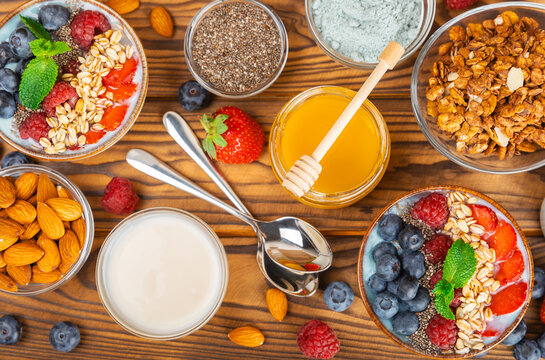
(218,140)
(208,146)
(36,28)
(38,80)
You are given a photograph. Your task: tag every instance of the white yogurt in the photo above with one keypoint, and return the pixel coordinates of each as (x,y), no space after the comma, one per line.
(162,273)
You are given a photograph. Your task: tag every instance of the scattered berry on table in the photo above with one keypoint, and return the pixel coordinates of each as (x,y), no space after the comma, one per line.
(503,241)
(388,267)
(411,238)
(338,296)
(52,17)
(10,330)
(509,299)
(119,197)
(414,263)
(34,127)
(539,283)
(385,305)
(485,217)
(7,105)
(432,210)
(383,248)
(436,248)
(317,340)
(459,4)
(408,287)
(9,81)
(420,301)
(389,227)
(541,343)
(192,96)
(19,41)
(405,323)
(511,269)
(527,350)
(517,335)
(376,283)
(442,332)
(6,54)
(86,25)
(15,158)
(64,336)
(61,93)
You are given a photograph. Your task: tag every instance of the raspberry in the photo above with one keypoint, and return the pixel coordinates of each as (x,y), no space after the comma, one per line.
(459,4)
(119,197)
(442,332)
(34,127)
(317,340)
(436,248)
(456,301)
(61,92)
(432,210)
(71,68)
(86,25)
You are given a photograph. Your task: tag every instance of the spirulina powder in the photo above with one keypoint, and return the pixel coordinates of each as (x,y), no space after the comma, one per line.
(361,29)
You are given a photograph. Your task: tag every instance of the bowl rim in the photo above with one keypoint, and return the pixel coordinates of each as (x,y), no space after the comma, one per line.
(394,338)
(438,144)
(137,109)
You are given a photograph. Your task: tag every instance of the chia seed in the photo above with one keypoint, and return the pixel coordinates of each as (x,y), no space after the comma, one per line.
(237,47)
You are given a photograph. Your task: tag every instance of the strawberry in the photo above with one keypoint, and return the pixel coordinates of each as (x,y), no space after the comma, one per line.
(503,241)
(511,269)
(232,136)
(116,78)
(542,312)
(490,332)
(509,299)
(485,217)
(123,92)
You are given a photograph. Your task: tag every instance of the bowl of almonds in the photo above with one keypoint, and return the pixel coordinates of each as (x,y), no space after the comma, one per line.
(46,230)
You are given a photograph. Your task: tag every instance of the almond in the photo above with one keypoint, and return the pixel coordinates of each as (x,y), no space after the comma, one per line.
(51,259)
(247,336)
(64,266)
(277,303)
(123,6)
(23,253)
(45,190)
(3,214)
(69,247)
(67,224)
(49,221)
(33,200)
(66,209)
(9,233)
(63,193)
(30,231)
(161,21)
(41,277)
(2,262)
(7,241)
(26,185)
(7,283)
(80,228)
(22,212)
(21,274)
(7,193)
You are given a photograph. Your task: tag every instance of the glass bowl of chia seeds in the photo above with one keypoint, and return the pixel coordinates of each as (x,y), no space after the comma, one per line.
(354,32)
(236,48)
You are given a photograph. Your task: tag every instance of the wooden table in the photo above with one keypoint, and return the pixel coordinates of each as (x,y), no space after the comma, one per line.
(413,163)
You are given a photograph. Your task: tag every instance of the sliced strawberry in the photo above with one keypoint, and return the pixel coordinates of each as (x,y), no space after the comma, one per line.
(509,299)
(503,241)
(485,217)
(511,269)
(542,312)
(93,136)
(114,116)
(116,78)
(490,332)
(123,92)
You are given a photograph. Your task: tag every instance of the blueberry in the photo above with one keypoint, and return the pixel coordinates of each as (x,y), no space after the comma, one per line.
(405,323)
(413,263)
(64,336)
(393,286)
(385,305)
(420,301)
(15,158)
(10,330)
(20,42)
(338,296)
(388,267)
(411,238)
(193,96)
(517,335)
(527,350)
(7,105)
(408,287)
(21,66)
(6,54)
(389,227)
(541,343)
(376,283)
(539,283)
(383,248)
(52,17)
(9,80)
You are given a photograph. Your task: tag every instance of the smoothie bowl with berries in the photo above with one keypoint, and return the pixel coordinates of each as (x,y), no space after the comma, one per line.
(445,272)
(73,78)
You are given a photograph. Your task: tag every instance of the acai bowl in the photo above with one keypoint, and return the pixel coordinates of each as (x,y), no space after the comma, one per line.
(99,89)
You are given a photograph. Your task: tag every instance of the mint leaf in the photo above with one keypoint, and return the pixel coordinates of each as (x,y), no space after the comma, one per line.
(36,28)
(460,264)
(43,47)
(38,80)
(60,47)
(444,294)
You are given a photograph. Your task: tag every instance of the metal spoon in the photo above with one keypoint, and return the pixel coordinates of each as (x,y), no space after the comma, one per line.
(280,277)
(289,240)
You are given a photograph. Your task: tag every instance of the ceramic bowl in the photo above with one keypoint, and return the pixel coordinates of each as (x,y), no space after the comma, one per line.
(8,129)
(367,267)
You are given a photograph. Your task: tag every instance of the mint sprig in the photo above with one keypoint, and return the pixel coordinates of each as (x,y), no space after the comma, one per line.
(36,28)
(214,126)
(460,265)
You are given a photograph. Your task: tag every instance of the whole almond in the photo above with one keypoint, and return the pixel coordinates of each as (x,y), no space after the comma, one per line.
(7,193)
(45,190)
(3,214)
(66,209)
(64,266)
(49,221)
(21,274)
(69,247)
(26,185)
(7,283)
(51,259)
(23,253)
(30,231)
(63,193)
(161,21)
(9,233)
(80,228)
(7,241)
(41,277)
(33,200)
(277,303)
(123,6)
(2,262)
(22,212)
(247,336)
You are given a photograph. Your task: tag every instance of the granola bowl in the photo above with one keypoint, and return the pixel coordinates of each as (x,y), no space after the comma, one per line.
(472,332)
(99,103)
(479,135)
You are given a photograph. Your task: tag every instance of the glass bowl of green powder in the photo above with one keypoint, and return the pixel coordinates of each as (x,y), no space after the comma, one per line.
(354,32)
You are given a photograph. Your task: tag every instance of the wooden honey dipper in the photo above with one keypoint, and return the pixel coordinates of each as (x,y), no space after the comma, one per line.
(304,173)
